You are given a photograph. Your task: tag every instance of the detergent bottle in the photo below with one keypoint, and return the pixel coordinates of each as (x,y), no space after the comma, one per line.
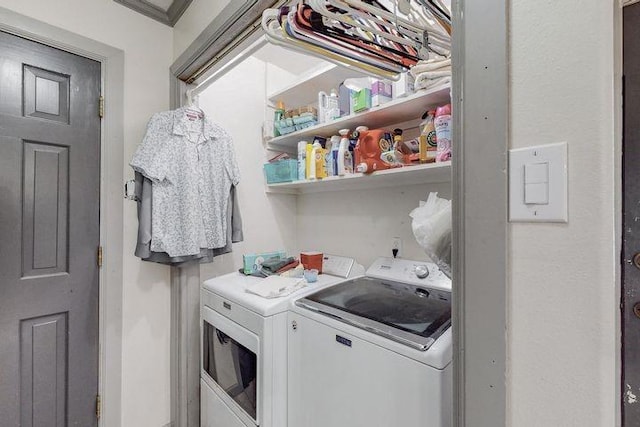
(369,151)
(321,166)
(302,160)
(308,159)
(333,112)
(313,163)
(343,152)
(328,106)
(335,147)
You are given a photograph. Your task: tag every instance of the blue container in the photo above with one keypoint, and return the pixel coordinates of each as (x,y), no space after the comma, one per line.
(281,171)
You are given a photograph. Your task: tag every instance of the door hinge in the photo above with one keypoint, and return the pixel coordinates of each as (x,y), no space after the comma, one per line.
(99,256)
(98,407)
(101,107)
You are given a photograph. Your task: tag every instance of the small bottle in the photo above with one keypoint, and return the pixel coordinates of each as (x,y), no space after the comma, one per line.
(319,153)
(333,110)
(308,160)
(343,152)
(302,160)
(397,139)
(428,139)
(335,148)
(442,123)
(278,115)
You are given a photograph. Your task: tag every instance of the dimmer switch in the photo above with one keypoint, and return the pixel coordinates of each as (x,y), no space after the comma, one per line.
(538,184)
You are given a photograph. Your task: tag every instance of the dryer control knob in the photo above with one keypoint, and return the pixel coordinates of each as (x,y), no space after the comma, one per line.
(421,271)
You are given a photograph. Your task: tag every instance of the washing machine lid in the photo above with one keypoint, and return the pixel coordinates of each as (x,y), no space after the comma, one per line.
(412,315)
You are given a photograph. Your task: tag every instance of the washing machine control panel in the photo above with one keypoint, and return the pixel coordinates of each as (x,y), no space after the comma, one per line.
(407,271)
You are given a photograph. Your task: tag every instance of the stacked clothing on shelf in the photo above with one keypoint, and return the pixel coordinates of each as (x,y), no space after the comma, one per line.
(186,179)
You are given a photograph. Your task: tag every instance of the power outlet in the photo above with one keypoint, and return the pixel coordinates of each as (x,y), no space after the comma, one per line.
(396,247)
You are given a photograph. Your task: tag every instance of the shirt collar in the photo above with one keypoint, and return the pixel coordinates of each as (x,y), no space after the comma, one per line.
(180,126)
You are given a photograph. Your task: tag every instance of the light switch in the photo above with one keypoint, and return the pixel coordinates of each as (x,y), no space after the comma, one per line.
(535,173)
(536,194)
(538,183)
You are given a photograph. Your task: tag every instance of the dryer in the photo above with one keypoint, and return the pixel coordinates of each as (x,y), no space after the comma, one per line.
(373,351)
(244,352)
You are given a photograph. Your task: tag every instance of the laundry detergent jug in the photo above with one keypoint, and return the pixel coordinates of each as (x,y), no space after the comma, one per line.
(372,149)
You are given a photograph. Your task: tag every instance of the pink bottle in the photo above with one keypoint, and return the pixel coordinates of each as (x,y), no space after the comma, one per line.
(442,124)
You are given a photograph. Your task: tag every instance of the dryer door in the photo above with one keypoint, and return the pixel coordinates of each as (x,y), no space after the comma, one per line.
(230,358)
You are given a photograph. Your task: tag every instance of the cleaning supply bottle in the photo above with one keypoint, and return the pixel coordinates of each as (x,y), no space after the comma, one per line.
(328,157)
(302,160)
(335,148)
(343,152)
(442,123)
(278,115)
(328,106)
(315,148)
(333,112)
(308,159)
(321,167)
(428,139)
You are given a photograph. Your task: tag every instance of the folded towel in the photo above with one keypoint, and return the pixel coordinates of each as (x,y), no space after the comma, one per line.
(430,65)
(424,82)
(276,286)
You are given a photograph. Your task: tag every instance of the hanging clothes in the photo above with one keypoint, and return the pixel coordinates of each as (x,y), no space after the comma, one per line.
(144,197)
(191,165)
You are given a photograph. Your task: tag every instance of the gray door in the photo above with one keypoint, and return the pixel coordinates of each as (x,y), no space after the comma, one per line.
(49,235)
(631,220)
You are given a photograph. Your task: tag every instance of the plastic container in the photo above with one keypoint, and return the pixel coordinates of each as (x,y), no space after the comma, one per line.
(311,275)
(281,171)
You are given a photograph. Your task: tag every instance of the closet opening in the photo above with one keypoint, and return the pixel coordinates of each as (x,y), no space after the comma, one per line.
(360,216)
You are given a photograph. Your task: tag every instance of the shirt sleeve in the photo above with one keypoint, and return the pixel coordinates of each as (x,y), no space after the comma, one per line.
(231,165)
(150,157)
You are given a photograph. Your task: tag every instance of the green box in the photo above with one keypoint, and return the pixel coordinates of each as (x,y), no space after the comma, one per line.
(361,100)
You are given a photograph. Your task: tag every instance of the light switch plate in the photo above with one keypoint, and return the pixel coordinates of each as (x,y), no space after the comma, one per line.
(555,210)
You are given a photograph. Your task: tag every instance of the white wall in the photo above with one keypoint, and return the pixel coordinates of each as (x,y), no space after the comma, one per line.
(562,304)
(362,224)
(196,18)
(268,220)
(145,306)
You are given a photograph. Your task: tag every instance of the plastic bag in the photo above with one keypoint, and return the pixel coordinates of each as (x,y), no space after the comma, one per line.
(431,225)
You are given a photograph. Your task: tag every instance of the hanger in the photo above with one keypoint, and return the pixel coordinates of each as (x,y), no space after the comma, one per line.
(305,24)
(413,37)
(363,34)
(276,34)
(302,24)
(192,103)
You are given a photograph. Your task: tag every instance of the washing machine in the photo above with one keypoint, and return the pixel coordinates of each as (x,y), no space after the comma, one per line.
(373,351)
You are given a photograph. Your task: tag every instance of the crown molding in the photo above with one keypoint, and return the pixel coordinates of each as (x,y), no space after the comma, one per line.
(168,17)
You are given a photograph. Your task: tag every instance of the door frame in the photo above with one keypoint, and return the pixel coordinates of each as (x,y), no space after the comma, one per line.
(111,200)
(479,316)
(618,145)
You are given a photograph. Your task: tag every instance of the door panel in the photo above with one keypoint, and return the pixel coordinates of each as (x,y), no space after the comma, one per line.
(49,223)
(45,192)
(44,348)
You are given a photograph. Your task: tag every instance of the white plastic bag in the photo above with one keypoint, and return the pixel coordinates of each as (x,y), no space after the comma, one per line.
(431,225)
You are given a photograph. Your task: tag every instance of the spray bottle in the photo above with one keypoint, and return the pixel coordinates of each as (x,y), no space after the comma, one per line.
(343,153)
(302,160)
(335,148)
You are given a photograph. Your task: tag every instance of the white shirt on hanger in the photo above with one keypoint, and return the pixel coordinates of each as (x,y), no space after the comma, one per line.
(192,164)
